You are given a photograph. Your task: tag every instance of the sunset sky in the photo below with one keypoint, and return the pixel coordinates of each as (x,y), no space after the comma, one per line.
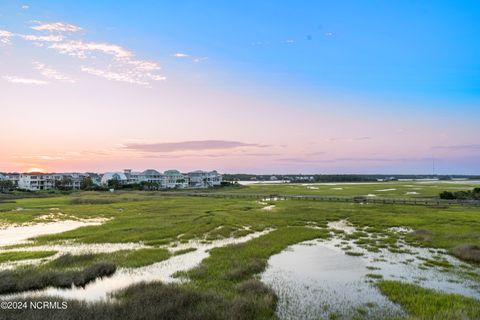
(240,86)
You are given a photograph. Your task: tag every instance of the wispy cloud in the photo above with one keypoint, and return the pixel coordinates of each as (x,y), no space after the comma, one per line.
(199,59)
(316,153)
(82,49)
(25,7)
(123,66)
(189,57)
(459,147)
(19,80)
(384,159)
(55,27)
(303,160)
(101,59)
(45,158)
(354,159)
(51,73)
(180,55)
(109,75)
(189,146)
(5,37)
(49,38)
(350,139)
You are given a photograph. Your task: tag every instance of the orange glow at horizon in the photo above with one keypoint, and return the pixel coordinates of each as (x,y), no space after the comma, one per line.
(36,170)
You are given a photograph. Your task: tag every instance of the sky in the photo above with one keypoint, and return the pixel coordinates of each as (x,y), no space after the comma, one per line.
(240,86)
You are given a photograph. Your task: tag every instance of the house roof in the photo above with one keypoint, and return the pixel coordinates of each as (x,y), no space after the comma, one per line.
(172,172)
(111,175)
(151,172)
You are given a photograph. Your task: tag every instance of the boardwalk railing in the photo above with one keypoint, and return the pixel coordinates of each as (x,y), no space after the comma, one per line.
(354,199)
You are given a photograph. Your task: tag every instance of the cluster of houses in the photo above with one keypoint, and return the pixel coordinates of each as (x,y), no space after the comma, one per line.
(167,180)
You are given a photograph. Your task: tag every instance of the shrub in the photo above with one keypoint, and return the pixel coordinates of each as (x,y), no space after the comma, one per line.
(12,281)
(254,286)
(68,259)
(242,270)
(467,252)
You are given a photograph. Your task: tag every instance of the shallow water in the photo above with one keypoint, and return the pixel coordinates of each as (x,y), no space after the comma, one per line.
(101,289)
(68,247)
(313,280)
(316,278)
(11,235)
(342,225)
(269,208)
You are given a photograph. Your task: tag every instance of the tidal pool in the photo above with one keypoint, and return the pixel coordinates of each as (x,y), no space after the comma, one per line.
(313,280)
(101,289)
(18,234)
(317,279)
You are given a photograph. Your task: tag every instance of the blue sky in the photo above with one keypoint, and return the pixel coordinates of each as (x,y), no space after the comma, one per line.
(413,49)
(376,60)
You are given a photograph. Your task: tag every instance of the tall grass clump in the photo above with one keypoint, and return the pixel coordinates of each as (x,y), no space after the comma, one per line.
(423,303)
(142,301)
(69,259)
(467,252)
(24,255)
(12,281)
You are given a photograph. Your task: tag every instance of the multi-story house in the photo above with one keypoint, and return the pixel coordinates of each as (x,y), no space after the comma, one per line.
(119,176)
(48,181)
(175,179)
(152,176)
(168,179)
(204,179)
(13,177)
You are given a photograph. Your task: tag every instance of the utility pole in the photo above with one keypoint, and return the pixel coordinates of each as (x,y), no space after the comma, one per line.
(433,166)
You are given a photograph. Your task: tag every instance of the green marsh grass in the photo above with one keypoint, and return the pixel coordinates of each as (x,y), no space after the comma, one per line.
(24,255)
(12,281)
(226,280)
(122,258)
(423,303)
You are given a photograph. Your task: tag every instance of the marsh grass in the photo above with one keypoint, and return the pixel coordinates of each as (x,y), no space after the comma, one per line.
(467,252)
(122,258)
(24,255)
(424,303)
(12,281)
(183,251)
(156,219)
(231,270)
(147,301)
(354,253)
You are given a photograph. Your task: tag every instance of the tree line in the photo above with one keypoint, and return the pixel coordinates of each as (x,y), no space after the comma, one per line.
(461,195)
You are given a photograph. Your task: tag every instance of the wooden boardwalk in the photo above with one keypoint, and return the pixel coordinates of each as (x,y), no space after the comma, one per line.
(353,199)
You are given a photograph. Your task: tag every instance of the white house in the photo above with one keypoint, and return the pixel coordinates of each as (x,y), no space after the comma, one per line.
(152,176)
(119,176)
(175,179)
(204,179)
(48,181)
(168,179)
(149,175)
(14,177)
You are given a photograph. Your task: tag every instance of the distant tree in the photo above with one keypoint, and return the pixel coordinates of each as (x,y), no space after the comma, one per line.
(461,195)
(114,184)
(447,195)
(66,183)
(6,185)
(476,193)
(148,185)
(87,183)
